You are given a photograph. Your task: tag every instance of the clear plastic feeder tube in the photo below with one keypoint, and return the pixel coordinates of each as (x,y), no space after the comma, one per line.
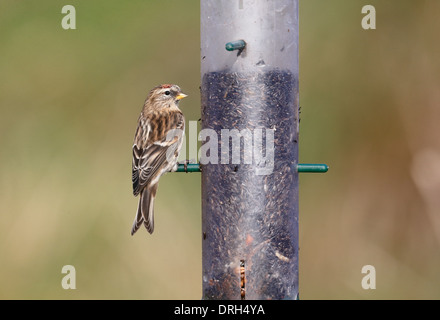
(249,151)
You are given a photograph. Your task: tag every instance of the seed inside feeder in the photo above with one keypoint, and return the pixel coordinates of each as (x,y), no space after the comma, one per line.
(239,204)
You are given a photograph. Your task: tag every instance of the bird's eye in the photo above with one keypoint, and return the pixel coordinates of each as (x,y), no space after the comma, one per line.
(167,92)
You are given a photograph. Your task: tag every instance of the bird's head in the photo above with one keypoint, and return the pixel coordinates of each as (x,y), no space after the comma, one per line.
(165,96)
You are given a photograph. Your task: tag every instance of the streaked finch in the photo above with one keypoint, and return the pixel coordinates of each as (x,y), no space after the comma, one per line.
(156,147)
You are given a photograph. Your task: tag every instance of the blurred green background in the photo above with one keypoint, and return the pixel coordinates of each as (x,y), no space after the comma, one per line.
(69,103)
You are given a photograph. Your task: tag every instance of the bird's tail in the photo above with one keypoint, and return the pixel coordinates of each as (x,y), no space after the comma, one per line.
(145,211)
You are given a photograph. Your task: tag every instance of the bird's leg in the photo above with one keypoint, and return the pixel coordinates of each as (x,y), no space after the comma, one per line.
(185,164)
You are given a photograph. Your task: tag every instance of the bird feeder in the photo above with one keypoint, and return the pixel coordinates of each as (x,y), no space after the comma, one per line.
(250,124)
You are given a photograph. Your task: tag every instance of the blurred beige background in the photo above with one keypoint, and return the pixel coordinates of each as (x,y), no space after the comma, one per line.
(69,102)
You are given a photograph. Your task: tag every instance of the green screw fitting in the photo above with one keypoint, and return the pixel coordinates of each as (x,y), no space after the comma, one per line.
(189,167)
(314,168)
(235,45)
(302,167)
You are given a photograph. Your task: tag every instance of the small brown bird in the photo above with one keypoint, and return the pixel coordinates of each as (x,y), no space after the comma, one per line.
(156,147)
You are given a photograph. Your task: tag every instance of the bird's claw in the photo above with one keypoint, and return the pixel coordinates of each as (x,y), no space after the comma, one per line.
(185,164)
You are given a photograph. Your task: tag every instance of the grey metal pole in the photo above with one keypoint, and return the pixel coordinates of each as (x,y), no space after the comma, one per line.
(249,148)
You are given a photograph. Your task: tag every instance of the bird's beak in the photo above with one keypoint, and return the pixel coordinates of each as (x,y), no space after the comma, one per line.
(181,96)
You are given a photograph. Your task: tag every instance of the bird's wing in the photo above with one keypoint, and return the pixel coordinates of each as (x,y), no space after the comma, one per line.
(157,139)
